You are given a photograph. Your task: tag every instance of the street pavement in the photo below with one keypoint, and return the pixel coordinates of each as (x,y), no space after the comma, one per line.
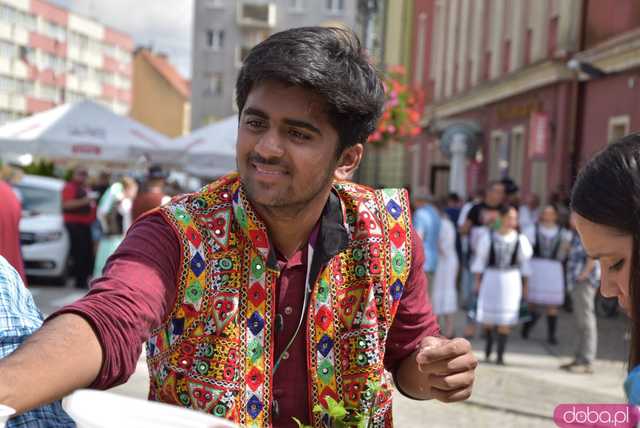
(523,393)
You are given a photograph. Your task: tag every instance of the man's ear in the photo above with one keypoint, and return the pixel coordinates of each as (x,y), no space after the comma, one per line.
(348,162)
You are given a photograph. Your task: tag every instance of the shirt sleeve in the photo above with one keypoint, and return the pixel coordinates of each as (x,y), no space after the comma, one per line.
(524,255)
(132,298)
(481,255)
(414,319)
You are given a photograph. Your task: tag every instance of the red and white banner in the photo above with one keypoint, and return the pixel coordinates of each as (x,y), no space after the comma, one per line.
(538,135)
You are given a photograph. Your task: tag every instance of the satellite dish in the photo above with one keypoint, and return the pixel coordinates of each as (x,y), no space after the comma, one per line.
(470,132)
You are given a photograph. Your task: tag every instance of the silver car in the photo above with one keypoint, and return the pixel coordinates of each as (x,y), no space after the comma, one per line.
(43,237)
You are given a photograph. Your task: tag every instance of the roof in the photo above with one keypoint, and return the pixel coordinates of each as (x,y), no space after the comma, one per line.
(168,71)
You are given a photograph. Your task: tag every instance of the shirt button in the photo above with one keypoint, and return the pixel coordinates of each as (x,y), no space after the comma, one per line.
(288,310)
(285,356)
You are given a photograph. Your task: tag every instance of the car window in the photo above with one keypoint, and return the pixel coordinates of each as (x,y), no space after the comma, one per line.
(36,200)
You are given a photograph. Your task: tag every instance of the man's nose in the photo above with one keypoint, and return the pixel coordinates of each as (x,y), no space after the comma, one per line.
(270,145)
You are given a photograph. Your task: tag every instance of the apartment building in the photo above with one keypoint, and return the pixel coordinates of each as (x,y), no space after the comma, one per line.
(49,56)
(225,30)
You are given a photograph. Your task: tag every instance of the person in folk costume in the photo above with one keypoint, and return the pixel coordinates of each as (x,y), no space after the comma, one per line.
(444,295)
(501,266)
(550,243)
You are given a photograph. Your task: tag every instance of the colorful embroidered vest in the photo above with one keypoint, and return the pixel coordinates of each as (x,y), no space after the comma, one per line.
(215,353)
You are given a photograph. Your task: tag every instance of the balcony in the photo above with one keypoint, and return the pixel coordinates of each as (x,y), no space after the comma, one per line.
(256,15)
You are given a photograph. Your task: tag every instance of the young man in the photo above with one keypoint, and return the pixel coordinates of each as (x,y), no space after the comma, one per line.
(269,291)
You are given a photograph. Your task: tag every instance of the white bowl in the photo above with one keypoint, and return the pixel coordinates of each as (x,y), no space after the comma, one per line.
(99,409)
(5,413)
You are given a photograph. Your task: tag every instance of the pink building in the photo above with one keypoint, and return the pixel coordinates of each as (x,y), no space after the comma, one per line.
(49,56)
(499,66)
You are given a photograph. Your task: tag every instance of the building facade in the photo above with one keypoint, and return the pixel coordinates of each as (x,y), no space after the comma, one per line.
(160,94)
(500,67)
(225,30)
(49,56)
(609,100)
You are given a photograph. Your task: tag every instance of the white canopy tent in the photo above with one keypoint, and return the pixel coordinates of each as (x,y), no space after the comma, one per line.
(210,151)
(86,131)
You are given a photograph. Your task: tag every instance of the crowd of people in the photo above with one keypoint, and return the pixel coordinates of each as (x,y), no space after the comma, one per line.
(505,264)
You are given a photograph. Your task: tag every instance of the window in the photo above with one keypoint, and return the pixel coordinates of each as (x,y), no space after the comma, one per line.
(214,84)
(296,5)
(214,39)
(618,127)
(334,6)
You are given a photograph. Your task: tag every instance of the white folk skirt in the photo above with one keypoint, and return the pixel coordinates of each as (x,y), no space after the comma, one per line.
(499,297)
(546,282)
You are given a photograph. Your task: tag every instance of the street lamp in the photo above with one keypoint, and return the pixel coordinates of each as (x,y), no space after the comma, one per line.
(586,68)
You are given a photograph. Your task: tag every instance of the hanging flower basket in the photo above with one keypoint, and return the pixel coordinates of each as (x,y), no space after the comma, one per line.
(401,117)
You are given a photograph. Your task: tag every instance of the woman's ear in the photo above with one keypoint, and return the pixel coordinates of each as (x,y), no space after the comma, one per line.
(348,162)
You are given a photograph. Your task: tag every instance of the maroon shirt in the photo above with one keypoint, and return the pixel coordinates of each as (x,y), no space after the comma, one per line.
(138,291)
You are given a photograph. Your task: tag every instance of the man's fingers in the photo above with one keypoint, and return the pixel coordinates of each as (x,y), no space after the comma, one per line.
(462,363)
(453,382)
(451,396)
(447,350)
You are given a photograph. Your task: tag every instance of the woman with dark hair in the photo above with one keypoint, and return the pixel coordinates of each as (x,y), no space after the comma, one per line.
(606,202)
(550,243)
(501,260)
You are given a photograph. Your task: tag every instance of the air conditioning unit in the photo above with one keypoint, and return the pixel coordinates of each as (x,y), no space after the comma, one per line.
(256,15)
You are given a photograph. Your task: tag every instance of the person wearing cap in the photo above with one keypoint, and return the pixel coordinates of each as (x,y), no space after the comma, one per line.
(152,194)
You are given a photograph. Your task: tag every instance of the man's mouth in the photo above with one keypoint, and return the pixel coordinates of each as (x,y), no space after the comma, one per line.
(269,170)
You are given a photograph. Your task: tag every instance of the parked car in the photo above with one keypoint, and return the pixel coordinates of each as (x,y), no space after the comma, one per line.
(43,237)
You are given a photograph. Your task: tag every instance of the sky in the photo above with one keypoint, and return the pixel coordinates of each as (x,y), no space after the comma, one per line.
(164,24)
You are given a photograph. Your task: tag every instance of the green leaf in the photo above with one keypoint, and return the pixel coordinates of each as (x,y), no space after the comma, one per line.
(300,424)
(336,410)
(318,409)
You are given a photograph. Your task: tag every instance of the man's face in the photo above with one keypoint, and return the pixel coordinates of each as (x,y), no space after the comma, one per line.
(80,176)
(287,149)
(496,194)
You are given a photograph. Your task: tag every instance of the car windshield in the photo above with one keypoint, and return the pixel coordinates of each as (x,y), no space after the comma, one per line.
(36,200)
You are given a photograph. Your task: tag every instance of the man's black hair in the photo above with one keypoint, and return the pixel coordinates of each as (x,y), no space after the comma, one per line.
(329,61)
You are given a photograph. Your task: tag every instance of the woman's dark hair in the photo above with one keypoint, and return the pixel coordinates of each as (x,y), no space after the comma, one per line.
(504,209)
(607,192)
(328,61)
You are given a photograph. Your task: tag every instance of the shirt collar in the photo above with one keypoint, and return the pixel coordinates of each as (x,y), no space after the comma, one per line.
(332,239)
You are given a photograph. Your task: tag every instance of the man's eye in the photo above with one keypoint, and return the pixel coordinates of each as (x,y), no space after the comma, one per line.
(299,135)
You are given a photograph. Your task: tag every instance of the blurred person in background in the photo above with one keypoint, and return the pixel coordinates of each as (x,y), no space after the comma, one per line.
(453,207)
(501,266)
(546,291)
(79,212)
(152,193)
(426,221)
(482,217)
(444,295)
(10,214)
(583,279)
(114,214)
(529,212)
